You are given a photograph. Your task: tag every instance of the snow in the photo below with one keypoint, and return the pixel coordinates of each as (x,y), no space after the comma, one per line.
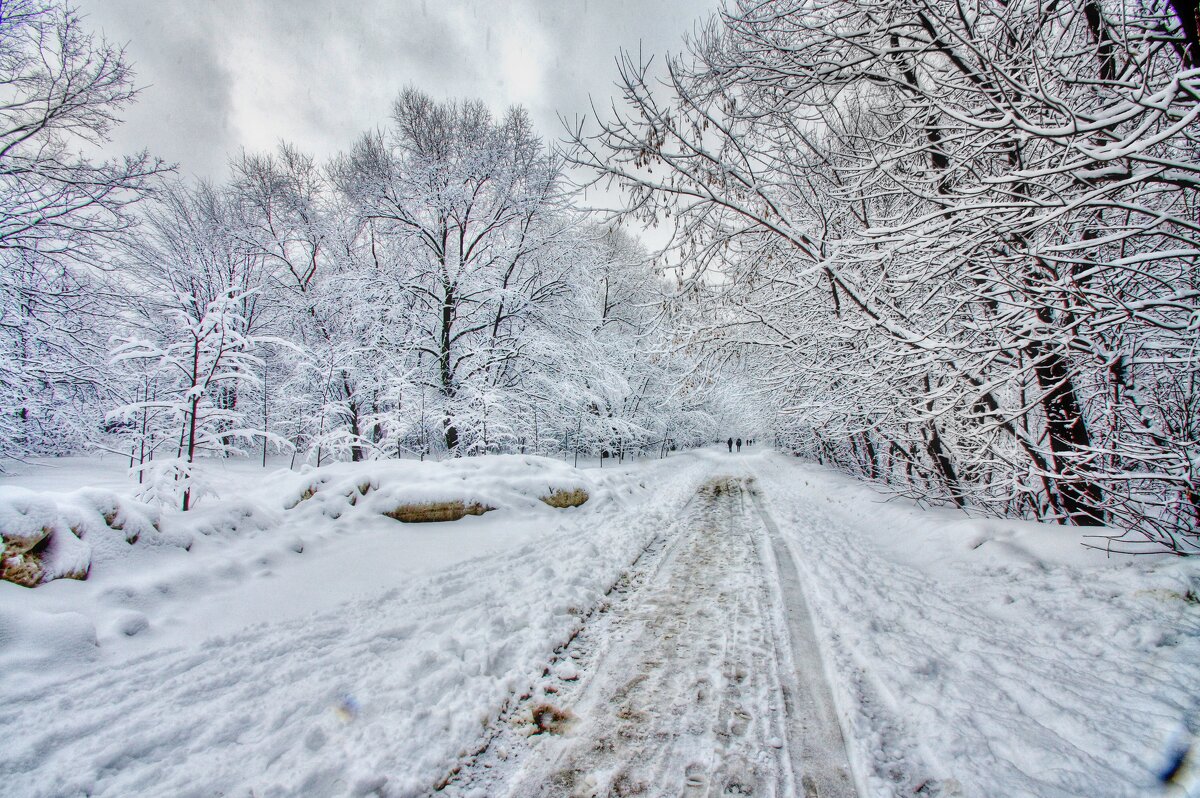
(1006,656)
(367,662)
(65,533)
(566,670)
(687,683)
(510,482)
(313,646)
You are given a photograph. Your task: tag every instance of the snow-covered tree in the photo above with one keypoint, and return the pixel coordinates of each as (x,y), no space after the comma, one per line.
(195,339)
(961,237)
(60,92)
(463,208)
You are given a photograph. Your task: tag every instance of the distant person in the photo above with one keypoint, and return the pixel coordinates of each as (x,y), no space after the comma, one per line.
(730,443)
(739,444)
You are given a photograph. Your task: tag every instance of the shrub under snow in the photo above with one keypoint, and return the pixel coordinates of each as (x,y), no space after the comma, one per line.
(472,485)
(45,536)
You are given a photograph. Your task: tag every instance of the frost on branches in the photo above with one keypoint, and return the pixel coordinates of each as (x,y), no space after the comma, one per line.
(431,292)
(60,90)
(961,239)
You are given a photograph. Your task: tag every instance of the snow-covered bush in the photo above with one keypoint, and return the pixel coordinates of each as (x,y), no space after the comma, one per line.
(48,536)
(407,489)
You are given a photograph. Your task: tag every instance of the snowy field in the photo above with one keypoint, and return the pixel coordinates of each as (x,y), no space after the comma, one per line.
(286,638)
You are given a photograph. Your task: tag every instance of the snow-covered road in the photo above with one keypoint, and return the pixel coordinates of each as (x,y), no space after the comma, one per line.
(990,657)
(699,678)
(374,695)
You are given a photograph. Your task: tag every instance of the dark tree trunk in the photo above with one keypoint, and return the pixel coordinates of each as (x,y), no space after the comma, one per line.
(446,368)
(1188,14)
(943,463)
(356,449)
(1081,498)
(939,455)
(869,448)
(191,451)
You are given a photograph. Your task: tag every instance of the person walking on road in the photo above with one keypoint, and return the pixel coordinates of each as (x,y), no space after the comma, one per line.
(730,444)
(739,444)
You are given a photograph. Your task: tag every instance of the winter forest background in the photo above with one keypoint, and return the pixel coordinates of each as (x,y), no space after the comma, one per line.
(950,247)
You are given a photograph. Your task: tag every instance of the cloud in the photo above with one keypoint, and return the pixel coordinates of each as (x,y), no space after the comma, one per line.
(228,74)
(186,94)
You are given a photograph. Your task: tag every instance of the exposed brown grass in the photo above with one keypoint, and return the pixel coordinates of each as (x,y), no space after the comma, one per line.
(27,568)
(308,493)
(20,543)
(23,569)
(549,719)
(424,512)
(113,521)
(22,561)
(561,499)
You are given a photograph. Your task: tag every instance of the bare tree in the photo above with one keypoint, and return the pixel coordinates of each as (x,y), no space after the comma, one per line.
(60,91)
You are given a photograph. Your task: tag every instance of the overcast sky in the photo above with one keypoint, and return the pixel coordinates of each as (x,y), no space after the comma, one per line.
(220,75)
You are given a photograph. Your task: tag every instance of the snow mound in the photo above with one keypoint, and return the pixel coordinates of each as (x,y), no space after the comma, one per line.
(35,638)
(416,491)
(47,536)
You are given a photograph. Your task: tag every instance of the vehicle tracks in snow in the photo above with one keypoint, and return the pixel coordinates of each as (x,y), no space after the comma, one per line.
(698,677)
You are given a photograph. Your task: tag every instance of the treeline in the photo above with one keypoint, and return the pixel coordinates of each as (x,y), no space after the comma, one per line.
(961,239)
(430,291)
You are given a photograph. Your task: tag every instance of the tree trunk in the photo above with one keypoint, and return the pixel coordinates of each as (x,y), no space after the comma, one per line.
(1081,498)
(191,452)
(356,448)
(446,368)
(945,466)
(265,419)
(869,448)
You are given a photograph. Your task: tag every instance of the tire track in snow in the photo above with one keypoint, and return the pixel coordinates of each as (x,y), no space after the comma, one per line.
(376,695)
(689,683)
(817,746)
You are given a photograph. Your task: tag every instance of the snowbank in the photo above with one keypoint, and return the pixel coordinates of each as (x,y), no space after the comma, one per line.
(518,483)
(46,535)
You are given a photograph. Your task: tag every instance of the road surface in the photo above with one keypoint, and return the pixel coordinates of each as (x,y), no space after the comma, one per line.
(699,677)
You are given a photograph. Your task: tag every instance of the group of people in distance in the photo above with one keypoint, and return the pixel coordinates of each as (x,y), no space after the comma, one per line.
(738,442)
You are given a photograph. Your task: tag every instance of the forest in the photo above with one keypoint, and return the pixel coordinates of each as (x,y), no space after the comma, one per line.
(952,248)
